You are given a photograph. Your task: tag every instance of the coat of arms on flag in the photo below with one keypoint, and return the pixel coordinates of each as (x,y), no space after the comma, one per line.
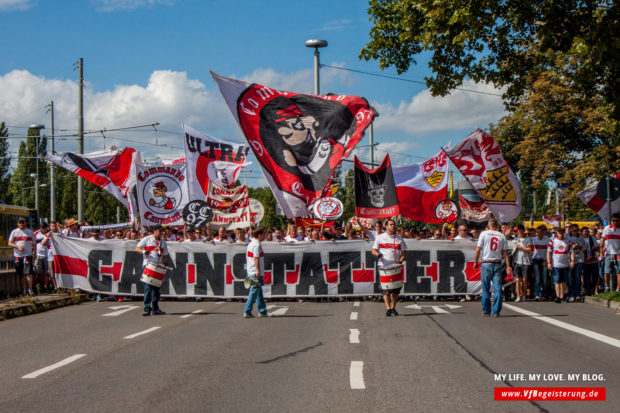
(480,160)
(299,140)
(421,188)
(162,194)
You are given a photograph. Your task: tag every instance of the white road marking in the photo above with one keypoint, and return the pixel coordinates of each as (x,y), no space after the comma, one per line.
(280,311)
(122,309)
(44,370)
(354,336)
(439,310)
(220,302)
(129,337)
(588,333)
(436,308)
(356,304)
(353,315)
(192,313)
(356,375)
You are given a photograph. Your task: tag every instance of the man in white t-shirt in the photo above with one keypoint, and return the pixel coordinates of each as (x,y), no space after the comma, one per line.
(522,261)
(72,229)
(43,250)
(222,236)
(388,248)
(22,240)
(610,251)
(539,267)
(462,233)
(255,266)
(155,251)
(493,246)
(560,258)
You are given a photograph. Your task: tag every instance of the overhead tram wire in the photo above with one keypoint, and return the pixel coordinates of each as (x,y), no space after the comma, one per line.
(420,82)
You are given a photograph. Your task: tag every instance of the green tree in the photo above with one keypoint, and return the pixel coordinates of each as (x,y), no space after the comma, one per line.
(271,218)
(557,134)
(501,42)
(30,160)
(5,163)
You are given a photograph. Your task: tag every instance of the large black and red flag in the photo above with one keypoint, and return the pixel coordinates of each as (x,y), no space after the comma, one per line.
(299,140)
(375,192)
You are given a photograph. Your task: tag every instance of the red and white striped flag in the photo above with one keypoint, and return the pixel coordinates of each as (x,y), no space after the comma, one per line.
(595,197)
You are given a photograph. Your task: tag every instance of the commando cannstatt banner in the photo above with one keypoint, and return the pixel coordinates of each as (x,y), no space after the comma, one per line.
(303,269)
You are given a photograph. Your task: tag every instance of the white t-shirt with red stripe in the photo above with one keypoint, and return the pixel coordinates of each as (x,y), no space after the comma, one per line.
(493,244)
(560,252)
(612,240)
(219,239)
(23,238)
(390,246)
(255,250)
(156,249)
(540,248)
(43,250)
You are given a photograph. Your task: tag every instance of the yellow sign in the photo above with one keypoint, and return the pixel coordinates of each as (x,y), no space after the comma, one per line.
(499,188)
(581,224)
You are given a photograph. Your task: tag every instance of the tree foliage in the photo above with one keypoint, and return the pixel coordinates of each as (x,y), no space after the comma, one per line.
(503,42)
(30,160)
(5,163)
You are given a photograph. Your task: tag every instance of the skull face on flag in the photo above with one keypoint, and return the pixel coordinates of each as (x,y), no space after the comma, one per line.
(299,140)
(305,136)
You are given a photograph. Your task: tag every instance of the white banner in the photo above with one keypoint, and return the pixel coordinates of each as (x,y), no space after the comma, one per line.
(303,269)
(162,194)
(231,207)
(208,158)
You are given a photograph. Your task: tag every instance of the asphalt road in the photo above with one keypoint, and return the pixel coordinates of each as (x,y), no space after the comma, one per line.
(204,357)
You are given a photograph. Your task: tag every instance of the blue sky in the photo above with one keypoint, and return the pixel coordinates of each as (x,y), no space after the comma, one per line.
(147,60)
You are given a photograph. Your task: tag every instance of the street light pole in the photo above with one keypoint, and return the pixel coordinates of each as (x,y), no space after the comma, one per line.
(35,175)
(316,44)
(52,170)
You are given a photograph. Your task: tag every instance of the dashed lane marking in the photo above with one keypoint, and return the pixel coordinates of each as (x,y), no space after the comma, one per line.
(280,310)
(354,336)
(129,337)
(356,304)
(353,315)
(192,313)
(47,369)
(356,375)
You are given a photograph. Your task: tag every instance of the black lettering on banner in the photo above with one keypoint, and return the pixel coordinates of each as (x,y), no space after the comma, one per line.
(226,153)
(211,153)
(342,261)
(239,272)
(278,263)
(132,271)
(451,266)
(176,274)
(193,144)
(214,273)
(415,279)
(99,282)
(311,273)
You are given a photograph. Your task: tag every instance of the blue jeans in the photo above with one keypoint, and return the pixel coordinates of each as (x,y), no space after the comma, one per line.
(256,295)
(540,277)
(151,298)
(590,276)
(574,280)
(491,272)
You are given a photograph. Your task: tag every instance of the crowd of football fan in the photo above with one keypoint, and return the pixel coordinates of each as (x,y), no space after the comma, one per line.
(589,259)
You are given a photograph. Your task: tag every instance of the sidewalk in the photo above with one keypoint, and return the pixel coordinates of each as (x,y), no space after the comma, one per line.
(20,306)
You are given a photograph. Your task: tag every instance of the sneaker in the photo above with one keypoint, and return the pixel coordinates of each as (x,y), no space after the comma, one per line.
(248,315)
(146,313)
(537,298)
(571,300)
(388,313)
(495,315)
(518,299)
(486,314)
(265,314)
(618,290)
(159,312)
(394,312)
(557,300)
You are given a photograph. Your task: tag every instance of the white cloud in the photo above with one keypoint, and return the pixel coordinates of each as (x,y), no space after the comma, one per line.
(169,98)
(335,25)
(425,114)
(10,5)
(113,5)
(301,81)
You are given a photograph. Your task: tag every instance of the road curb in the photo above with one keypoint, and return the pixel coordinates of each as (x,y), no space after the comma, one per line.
(612,305)
(32,305)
